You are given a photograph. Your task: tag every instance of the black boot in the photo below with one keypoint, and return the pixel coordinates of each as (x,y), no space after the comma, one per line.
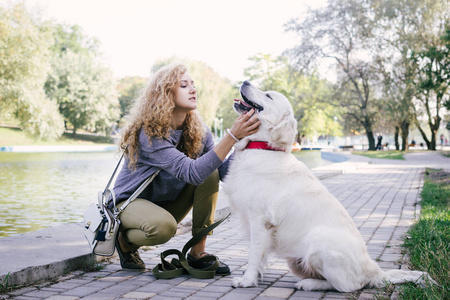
(129,260)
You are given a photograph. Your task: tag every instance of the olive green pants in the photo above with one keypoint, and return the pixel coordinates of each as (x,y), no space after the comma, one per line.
(148,224)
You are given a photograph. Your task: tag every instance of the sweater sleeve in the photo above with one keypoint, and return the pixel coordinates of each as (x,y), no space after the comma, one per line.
(163,154)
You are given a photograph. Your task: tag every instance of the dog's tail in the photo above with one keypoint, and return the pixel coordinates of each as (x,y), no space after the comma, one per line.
(401,276)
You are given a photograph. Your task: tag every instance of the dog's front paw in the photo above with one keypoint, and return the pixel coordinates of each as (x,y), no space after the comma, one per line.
(243,282)
(310,284)
(303,285)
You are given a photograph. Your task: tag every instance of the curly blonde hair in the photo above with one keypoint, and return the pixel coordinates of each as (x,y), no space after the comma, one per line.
(153,111)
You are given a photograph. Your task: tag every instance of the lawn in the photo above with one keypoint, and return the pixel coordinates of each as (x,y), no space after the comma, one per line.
(428,241)
(392,154)
(16,137)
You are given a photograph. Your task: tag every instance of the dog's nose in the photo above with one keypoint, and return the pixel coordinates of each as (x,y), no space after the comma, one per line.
(246,83)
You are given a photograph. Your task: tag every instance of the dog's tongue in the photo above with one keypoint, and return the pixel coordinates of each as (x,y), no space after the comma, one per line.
(242,102)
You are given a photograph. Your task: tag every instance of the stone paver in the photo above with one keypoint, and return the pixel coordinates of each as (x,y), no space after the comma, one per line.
(381,196)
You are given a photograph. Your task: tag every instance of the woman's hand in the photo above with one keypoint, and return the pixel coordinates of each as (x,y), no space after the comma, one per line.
(245,124)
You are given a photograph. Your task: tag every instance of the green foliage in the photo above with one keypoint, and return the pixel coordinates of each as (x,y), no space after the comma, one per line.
(225,109)
(24,63)
(309,95)
(433,79)
(72,37)
(48,71)
(39,116)
(411,56)
(341,33)
(429,239)
(129,89)
(85,91)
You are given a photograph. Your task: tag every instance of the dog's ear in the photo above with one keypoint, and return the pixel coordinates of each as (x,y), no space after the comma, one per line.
(283,134)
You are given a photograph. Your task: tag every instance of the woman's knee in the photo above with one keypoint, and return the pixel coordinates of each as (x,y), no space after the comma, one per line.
(211,183)
(160,232)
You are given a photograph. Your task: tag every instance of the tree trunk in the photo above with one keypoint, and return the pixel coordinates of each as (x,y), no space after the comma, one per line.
(434,129)
(405,132)
(424,136)
(368,127)
(397,145)
(371,140)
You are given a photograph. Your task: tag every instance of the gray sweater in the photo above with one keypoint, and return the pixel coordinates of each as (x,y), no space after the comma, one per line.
(177,170)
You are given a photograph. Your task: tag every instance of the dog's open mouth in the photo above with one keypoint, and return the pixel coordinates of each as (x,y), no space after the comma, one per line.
(246,105)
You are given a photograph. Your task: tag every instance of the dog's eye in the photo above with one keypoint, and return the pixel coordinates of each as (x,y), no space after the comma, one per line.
(268,96)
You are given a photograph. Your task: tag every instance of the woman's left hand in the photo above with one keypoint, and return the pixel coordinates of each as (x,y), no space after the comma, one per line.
(245,125)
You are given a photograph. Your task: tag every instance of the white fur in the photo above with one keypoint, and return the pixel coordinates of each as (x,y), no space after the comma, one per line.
(286,210)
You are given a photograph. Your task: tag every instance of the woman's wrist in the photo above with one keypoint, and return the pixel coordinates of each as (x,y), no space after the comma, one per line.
(232,135)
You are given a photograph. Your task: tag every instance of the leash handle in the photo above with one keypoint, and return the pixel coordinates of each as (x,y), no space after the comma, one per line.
(177,267)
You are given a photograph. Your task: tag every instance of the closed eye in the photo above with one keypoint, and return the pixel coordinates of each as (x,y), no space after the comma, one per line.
(268,96)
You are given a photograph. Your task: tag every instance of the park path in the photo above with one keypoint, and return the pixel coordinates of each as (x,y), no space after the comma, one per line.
(380,195)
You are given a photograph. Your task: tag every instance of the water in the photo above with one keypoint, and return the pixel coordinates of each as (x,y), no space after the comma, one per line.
(39,190)
(311,158)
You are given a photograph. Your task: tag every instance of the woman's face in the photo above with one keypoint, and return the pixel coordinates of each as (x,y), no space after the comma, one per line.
(185,94)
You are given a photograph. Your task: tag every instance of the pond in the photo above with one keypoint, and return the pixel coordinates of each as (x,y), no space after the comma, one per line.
(38,190)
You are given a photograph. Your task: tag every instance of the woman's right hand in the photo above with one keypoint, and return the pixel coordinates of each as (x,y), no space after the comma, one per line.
(245,125)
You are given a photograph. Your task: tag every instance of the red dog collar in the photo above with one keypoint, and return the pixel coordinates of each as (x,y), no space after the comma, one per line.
(261,145)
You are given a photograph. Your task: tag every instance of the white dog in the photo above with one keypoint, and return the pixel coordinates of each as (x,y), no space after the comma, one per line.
(287,210)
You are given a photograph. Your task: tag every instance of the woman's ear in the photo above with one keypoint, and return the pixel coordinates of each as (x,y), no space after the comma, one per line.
(283,134)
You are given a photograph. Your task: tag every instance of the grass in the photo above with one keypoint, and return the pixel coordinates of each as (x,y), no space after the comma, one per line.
(392,154)
(16,137)
(92,267)
(428,241)
(4,285)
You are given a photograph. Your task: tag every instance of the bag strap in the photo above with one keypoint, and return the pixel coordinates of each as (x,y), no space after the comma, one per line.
(177,267)
(115,170)
(136,193)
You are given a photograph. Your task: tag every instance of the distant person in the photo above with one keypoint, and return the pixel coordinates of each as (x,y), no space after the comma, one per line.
(442,139)
(164,131)
(379,145)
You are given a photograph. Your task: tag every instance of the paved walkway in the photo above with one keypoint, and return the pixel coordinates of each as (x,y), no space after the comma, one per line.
(380,195)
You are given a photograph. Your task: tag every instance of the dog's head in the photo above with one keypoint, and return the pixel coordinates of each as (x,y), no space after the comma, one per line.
(278,125)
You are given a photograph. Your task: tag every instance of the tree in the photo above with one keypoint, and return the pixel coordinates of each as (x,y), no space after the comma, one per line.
(129,89)
(24,63)
(405,27)
(309,95)
(71,37)
(341,32)
(84,90)
(398,94)
(433,82)
(446,40)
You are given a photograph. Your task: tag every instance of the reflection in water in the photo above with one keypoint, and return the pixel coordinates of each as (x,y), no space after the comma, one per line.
(311,158)
(39,190)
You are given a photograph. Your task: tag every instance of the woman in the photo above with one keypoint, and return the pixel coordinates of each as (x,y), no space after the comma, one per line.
(164,131)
